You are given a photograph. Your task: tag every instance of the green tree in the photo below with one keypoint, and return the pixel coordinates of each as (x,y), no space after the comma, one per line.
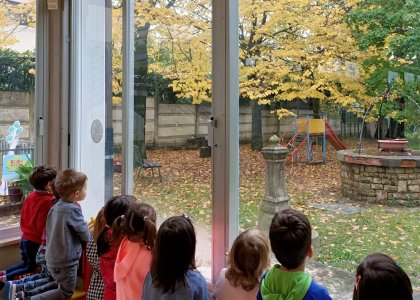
(16,70)
(389,31)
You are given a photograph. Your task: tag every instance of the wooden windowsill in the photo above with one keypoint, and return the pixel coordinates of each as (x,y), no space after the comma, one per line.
(10,236)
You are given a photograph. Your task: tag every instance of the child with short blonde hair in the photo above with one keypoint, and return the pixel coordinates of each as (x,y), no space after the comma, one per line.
(67,231)
(249,257)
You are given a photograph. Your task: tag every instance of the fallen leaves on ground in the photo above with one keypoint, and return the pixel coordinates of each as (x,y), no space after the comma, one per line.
(345,240)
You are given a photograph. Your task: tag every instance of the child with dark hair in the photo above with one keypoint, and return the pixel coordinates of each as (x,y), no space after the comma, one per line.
(173,273)
(66,231)
(379,277)
(110,238)
(290,238)
(37,283)
(249,257)
(32,222)
(134,255)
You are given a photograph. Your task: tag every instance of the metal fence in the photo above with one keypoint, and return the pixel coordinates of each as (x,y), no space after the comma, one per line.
(21,148)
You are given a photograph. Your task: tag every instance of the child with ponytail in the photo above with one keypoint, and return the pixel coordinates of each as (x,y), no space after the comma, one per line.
(134,255)
(110,238)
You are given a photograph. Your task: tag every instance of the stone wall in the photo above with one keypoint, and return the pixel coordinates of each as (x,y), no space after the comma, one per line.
(378,184)
(14,106)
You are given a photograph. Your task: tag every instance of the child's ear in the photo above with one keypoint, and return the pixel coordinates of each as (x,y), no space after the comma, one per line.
(310,252)
(48,187)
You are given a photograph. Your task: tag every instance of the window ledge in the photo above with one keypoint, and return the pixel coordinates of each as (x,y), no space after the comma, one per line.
(10,236)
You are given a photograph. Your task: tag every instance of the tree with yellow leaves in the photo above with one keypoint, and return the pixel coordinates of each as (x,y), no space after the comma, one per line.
(12,16)
(303,50)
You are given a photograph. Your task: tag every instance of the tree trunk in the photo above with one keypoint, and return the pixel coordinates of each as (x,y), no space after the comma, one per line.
(140,93)
(256,142)
(316,108)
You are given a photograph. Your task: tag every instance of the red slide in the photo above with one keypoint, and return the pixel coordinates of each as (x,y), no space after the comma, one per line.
(333,138)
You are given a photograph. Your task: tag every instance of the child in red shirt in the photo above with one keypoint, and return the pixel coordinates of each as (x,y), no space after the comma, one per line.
(32,221)
(110,239)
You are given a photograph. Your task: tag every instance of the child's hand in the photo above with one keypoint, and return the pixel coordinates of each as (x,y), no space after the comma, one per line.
(91,223)
(210,287)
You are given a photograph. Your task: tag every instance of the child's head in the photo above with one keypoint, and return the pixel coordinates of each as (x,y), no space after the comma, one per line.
(53,190)
(98,225)
(290,238)
(379,277)
(41,177)
(248,258)
(71,185)
(140,224)
(173,253)
(114,209)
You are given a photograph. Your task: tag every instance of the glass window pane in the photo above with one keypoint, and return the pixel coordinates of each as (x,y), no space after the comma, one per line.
(17,105)
(172,107)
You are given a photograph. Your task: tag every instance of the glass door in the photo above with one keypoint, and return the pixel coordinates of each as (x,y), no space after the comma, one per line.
(17,106)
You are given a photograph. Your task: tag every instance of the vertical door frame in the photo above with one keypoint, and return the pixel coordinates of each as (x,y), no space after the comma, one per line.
(225,147)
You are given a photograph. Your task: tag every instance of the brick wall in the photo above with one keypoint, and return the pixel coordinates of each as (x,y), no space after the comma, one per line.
(385,185)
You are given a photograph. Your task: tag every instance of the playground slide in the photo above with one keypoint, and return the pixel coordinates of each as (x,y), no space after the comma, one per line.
(333,138)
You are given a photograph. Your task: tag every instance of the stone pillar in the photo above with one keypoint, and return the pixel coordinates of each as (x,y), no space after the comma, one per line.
(275,197)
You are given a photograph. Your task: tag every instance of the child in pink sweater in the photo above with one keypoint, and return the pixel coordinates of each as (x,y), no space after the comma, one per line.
(134,255)
(248,259)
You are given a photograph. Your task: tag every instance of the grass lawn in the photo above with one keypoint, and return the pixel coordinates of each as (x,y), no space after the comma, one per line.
(345,239)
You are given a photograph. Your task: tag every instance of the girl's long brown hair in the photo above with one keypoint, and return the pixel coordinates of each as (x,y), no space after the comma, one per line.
(114,209)
(98,225)
(173,253)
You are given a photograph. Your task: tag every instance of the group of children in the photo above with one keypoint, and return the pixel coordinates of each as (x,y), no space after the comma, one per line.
(248,275)
(131,259)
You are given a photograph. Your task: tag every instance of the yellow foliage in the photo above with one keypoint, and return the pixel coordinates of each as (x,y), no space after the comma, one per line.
(303,49)
(116,100)
(282,112)
(14,15)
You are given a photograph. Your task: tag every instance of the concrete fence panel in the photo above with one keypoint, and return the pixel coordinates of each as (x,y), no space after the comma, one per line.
(166,124)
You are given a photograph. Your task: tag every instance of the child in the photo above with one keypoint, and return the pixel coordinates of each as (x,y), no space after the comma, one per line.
(173,274)
(37,283)
(109,240)
(96,284)
(248,259)
(66,232)
(290,238)
(378,277)
(32,222)
(134,255)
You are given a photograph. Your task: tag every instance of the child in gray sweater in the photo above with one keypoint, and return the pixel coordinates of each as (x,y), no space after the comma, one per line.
(66,233)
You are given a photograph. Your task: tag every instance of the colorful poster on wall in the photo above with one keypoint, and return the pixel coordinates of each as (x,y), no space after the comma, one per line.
(11,162)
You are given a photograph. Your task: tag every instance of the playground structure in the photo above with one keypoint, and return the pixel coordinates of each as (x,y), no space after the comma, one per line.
(312,133)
